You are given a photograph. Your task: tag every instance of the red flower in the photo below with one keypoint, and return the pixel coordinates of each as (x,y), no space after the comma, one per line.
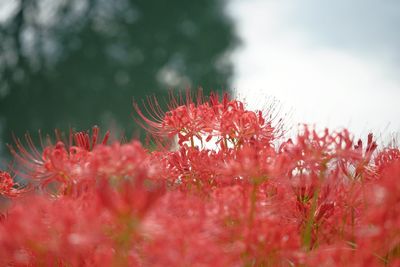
(231,194)
(8,188)
(58,166)
(226,120)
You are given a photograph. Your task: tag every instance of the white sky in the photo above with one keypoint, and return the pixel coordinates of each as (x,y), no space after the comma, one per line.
(333,66)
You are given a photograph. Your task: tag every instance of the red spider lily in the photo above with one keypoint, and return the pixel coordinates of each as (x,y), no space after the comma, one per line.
(381,229)
(225,119)
(386,158)
(87,142)
(98,225)
(58,236)
(184,231)
(9,188)
(126,181)
(229,194)
(56,166)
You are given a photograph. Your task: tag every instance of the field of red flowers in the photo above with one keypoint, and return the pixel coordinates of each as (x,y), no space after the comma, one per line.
(221,186)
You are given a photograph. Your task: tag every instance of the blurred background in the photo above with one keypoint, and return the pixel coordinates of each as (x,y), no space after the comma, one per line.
(78,63)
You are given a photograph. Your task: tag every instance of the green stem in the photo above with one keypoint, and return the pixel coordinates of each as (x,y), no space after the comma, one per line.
(307,233)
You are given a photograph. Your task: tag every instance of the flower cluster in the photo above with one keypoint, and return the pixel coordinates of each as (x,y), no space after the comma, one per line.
(233,192)
(225,120)
(8,187)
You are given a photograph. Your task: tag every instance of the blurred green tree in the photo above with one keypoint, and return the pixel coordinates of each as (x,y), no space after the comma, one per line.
(76,63)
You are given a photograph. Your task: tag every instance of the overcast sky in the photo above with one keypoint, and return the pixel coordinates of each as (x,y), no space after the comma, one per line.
(334,63)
